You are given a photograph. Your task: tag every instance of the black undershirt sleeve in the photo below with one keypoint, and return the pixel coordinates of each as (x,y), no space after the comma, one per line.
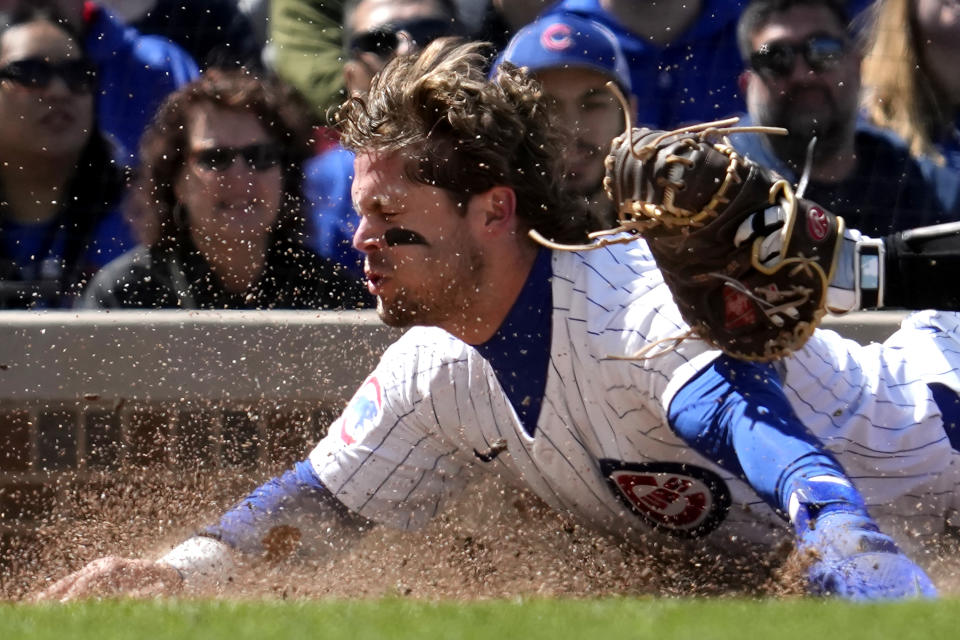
(922,268)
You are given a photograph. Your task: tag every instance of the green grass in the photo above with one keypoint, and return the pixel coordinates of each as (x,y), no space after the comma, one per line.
(500,620)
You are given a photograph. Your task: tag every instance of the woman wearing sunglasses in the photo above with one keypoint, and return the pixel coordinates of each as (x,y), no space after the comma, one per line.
(59,190)
(218,193)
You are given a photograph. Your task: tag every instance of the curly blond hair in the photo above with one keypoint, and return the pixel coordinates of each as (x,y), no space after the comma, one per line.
(466,133)
(899,93)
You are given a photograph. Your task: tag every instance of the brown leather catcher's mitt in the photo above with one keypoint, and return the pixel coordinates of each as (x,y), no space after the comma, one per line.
(748,263)
(710,217)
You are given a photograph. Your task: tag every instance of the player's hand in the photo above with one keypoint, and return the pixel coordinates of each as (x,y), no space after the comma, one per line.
(852,559)
(112,577)
(871,576)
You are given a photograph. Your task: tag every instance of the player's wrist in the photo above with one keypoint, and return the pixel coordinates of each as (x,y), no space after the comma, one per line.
(836,534)
(830,517)
(859,279)
(202,562)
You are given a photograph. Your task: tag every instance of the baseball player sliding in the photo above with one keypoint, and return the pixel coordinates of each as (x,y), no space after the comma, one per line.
(522,362)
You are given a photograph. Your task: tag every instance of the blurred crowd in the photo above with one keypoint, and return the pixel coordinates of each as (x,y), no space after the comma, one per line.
(169,154)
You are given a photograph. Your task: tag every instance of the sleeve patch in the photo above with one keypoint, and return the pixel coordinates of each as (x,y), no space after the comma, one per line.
(363,413)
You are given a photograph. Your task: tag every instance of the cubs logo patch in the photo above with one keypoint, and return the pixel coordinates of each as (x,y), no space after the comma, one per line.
(817,224)
(362,412)
(738,311)
(557,37)
(683,500)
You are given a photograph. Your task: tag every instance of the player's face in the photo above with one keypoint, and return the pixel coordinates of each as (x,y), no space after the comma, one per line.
(590,116)
(421,260)
(810,81)
(228,196)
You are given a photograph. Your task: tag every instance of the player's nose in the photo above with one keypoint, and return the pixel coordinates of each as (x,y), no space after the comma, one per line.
(367,237)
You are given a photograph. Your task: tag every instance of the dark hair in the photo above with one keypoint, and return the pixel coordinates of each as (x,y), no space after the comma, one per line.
(278,108)
(759,12)
(465,133)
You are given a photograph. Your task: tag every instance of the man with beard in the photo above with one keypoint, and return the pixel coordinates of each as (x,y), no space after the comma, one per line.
(574,58)
(804,75)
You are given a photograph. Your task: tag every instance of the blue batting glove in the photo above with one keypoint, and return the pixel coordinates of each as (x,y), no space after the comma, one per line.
(856,561)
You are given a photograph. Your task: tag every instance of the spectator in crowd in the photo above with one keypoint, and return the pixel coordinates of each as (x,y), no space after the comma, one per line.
(804,75)
(221,176)
(374,31)
(574,58)
(912,85)
(59,188)
(307,42)
(683,54)
(135,72)
(214,32)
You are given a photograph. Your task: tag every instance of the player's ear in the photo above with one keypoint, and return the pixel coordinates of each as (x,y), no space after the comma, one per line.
(744,79)
(498,207)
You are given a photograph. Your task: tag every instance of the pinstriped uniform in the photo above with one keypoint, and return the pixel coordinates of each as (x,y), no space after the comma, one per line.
(872,407)
(408,439)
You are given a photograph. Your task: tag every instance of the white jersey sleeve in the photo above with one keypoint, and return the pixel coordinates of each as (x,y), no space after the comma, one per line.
(384,457)
(872,406)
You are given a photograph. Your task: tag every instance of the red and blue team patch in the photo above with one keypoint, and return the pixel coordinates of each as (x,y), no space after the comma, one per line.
(362,413)
(680,499)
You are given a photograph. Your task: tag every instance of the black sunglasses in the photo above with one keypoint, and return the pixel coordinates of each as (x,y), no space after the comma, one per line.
(258,157)
(821,53)
(80,76)
(384,41)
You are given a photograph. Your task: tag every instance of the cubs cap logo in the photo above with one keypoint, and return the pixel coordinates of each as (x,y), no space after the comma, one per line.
(817,223)
(682,500)
(362,413)
(557,37)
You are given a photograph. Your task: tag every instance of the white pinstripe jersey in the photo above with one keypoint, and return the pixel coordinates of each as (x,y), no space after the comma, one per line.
(602,449)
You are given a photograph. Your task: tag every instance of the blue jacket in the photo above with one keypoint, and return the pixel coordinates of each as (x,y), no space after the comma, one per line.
(331,219)
(136,73)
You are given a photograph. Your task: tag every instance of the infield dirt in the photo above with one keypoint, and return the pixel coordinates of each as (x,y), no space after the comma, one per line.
(495,543)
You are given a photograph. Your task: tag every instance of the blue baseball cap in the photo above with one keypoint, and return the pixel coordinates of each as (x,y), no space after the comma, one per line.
(563,40)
